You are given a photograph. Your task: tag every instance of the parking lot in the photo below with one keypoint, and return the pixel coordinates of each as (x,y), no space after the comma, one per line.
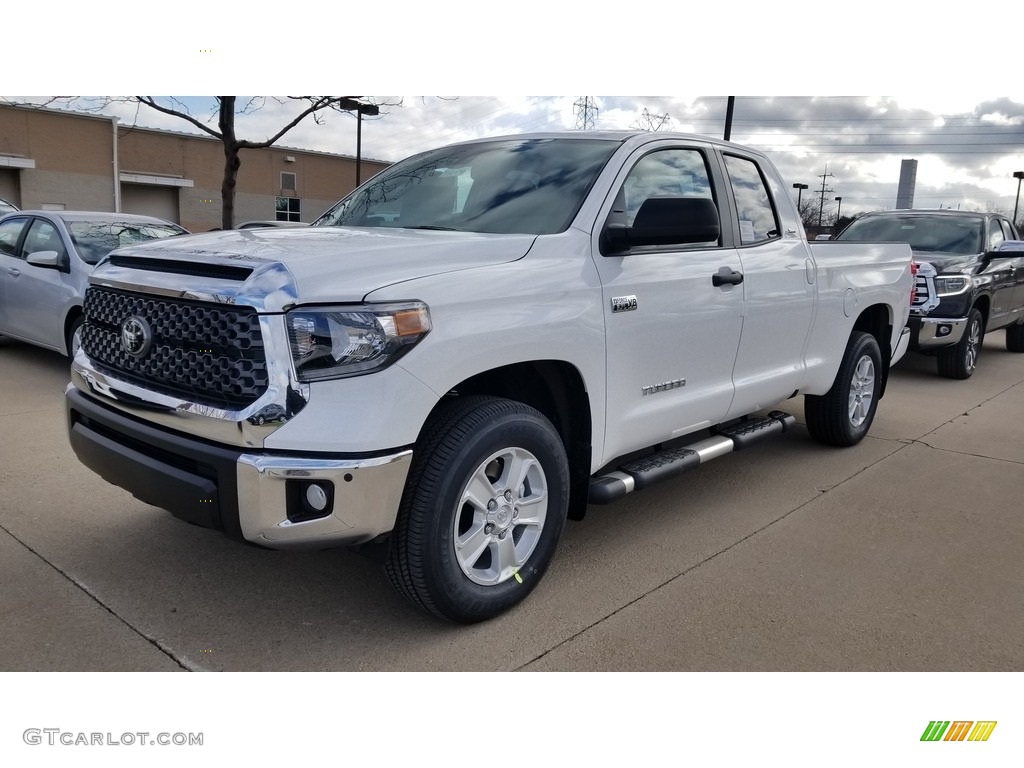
(901,554)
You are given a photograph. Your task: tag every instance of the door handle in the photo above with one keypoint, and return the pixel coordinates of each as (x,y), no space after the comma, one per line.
(726,276)
(14,271)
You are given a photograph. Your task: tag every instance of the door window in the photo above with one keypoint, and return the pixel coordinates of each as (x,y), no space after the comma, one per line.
(43,236)
(995,235)
(757,218)
(10,231)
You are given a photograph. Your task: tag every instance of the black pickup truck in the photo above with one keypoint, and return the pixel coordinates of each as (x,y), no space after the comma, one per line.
(970,280)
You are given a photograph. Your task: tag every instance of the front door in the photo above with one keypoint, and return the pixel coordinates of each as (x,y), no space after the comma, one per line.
(672,334)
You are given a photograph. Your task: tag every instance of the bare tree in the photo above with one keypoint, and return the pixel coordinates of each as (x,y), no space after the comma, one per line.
(226,109)
(809,207)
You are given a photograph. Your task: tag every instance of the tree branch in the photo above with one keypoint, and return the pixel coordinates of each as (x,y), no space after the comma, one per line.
(149,101)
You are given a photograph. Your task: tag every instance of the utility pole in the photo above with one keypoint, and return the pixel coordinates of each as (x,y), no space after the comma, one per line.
(586,113)
(648,122)
(728,117)
(821,205)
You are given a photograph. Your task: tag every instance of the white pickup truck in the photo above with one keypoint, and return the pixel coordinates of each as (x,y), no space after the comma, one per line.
(475,345)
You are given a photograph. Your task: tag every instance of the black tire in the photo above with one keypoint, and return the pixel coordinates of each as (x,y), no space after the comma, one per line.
(1015,337)
(69,340)
(961,360)
(481,438)
(843,415)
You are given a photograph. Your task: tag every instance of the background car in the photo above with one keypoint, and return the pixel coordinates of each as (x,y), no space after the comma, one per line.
(45,261)
(265,224)
(7,207)
(965,260)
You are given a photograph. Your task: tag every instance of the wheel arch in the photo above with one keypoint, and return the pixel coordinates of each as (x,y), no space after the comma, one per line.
(877,320)
(983,304)
(74,312)
(556,389)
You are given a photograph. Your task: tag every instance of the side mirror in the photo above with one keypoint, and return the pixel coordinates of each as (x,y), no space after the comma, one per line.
(665,221)
(1010,246)
(49,259)
(1006,250)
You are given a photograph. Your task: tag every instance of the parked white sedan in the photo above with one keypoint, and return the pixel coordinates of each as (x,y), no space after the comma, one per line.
(45,261)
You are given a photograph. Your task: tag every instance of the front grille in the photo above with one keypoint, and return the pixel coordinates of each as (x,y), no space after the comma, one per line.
(923,301)
(210,354)
(920,291)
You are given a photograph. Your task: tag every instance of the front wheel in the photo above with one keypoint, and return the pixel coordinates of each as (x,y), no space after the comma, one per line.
(73,341)
(843,415)
(960,360)
(483,509)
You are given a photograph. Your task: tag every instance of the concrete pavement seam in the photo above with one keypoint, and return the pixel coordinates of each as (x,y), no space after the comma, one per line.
(151,640)
(820,492)
(966,453)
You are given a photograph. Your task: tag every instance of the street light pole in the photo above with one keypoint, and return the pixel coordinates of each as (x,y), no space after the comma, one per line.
(839,211)
(1018,175)
(799,191)
(363,109)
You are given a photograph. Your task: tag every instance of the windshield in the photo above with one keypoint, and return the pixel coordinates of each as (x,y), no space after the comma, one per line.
(945,234)
(510,186)
(95,239)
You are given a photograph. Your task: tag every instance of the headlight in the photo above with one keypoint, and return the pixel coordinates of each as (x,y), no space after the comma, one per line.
(950,286)
(333,342)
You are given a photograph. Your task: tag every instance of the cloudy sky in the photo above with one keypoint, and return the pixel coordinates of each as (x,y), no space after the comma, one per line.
(926,85)
(967,147)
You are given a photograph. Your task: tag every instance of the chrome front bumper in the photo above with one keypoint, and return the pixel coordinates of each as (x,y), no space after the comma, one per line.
(366,496)
(938,332)
(248,495)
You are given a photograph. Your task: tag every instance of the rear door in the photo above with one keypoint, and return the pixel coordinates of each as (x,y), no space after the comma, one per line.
(778,290)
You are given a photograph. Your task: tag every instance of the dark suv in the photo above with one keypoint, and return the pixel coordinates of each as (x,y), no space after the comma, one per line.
(970,280)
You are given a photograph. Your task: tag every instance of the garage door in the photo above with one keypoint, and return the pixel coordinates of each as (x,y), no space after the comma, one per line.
(9,186)
(150,200)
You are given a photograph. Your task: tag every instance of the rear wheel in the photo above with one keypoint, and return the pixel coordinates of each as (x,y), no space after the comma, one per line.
(960,360)
(483,509)
(1015,338)
(843,415)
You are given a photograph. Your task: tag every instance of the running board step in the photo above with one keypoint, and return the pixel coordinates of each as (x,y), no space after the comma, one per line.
(649,470)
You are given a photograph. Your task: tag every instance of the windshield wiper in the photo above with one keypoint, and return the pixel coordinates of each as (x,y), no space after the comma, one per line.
(431,226)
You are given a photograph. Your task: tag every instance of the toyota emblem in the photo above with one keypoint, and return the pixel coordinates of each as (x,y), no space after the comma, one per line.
(136,336)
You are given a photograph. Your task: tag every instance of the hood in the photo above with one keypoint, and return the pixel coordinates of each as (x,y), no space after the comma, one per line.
(948,263)
(325,264)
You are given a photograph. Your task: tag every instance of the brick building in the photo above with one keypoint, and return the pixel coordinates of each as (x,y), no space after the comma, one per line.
(57,159)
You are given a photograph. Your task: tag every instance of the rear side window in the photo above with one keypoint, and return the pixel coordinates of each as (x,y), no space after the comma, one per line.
(754,208)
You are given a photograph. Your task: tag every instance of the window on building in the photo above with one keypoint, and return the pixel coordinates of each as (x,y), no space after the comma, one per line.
(289,209)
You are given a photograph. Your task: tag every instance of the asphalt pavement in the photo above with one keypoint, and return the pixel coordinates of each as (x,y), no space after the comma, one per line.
(900,554)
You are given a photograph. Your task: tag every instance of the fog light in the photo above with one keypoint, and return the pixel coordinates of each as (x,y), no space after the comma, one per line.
(316,497)
(309,499)
(944,330)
